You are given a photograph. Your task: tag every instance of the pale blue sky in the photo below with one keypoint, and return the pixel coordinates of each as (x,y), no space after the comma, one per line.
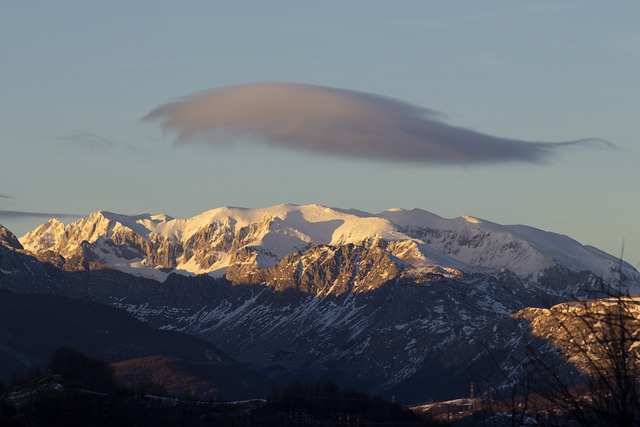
(77,76)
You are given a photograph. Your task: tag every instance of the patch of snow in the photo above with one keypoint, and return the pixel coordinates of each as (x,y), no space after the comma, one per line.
(471,219)
(467,243)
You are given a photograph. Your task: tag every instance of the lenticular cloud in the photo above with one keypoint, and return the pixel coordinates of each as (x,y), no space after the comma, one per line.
(337,122)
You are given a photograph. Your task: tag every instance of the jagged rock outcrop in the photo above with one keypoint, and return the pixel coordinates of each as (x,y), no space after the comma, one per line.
(7,238)
(593,334)
(334,249)
(400,302)
(322,270)
(418,337)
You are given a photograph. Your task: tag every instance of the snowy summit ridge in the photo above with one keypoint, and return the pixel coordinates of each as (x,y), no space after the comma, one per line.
(212,242)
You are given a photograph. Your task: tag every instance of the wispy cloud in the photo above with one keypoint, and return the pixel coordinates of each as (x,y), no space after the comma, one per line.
(95,143)
(3,196)
(44,215)
(339,122)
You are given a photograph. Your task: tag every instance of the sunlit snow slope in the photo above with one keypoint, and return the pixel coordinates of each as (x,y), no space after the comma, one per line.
(154,245)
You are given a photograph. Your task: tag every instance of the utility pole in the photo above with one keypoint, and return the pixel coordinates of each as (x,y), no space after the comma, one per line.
(472,399)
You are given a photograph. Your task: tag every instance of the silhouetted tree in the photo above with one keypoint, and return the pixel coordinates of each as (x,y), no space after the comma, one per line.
(325,404)
(81,370)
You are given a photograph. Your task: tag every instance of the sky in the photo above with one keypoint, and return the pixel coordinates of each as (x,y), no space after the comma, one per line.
(511,111)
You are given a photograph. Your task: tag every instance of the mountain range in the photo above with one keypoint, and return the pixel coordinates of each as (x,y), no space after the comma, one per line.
(402,303)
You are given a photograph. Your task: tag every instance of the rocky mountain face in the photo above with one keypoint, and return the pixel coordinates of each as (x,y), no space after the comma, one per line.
(597,336)
(402,302)
(7,238)
(242,243)
(33,326)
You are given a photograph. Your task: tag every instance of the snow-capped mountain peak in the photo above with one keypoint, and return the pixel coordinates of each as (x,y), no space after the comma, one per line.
(210,242)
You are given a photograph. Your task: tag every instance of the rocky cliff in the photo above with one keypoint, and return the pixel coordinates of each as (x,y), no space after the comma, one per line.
(402,302)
